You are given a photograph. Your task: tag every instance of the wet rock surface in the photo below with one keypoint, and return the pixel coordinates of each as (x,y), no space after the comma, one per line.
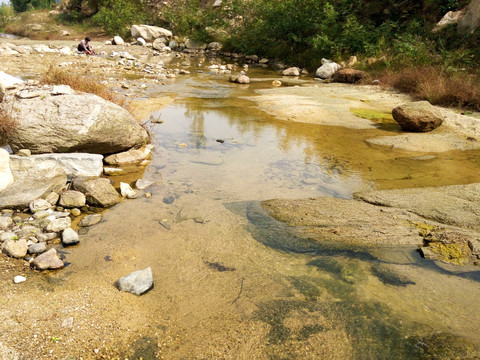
(137,282)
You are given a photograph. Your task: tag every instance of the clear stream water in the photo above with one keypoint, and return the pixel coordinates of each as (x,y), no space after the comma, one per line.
(231,283)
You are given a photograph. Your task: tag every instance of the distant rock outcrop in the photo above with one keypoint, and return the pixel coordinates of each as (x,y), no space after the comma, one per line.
(149,33)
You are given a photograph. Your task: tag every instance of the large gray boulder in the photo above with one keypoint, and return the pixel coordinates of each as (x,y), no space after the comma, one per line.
(149,33)
(71,123)
(35,183)
(137,282)
(418,116)
(99,192)
(74,164)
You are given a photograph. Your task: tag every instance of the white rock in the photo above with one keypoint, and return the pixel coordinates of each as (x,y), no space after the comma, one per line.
(61,90)
(65,51)
(117,40)
(141,41)
(127,191)
(19,279)
(327,70)
(8,81)
(57,225)
(6,177)
(142,184)
(74,164)
(39,205)
(70,237)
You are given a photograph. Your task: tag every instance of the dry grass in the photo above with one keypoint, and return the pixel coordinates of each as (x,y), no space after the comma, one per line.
(7,125)
(437,87)
(58,76)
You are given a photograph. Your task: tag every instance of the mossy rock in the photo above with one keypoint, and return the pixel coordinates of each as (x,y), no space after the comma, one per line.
(447,246)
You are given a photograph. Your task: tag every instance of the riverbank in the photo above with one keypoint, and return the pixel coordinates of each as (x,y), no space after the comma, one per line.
(307,301)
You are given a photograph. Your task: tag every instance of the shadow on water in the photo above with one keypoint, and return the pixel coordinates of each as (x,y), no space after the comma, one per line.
(284,238)
(373,332)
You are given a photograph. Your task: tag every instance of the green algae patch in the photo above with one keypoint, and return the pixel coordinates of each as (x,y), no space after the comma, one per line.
(452,253)
(447,246)
(424,229)
(372,114)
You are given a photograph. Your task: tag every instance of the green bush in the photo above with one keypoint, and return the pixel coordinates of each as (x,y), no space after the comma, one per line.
(6,15)
(27,5)
(117,16)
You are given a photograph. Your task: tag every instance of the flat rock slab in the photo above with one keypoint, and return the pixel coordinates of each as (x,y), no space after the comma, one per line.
(74,164)
(457,205)
(328,104)
(35,183)
(429,142)
(347,221)
(137,282)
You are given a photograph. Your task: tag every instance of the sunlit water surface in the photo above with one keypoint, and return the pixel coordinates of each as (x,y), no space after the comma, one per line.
(232,283)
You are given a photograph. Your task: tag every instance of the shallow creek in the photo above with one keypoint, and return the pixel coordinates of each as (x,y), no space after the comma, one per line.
(232,283)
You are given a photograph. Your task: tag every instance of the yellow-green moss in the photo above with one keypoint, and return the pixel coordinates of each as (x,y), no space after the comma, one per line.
(453,253)
(424,229)
(372,114)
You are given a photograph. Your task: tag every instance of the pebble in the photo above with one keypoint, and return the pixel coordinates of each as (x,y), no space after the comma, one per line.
(19,279)
(75,212)
(169,199)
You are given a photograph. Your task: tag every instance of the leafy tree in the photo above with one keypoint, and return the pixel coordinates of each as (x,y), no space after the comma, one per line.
(20,5)
(116,16)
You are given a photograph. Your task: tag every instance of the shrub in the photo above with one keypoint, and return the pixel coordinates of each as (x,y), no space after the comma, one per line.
(436,86)
(57,76)
(6,15)
(116,16)
(7,125)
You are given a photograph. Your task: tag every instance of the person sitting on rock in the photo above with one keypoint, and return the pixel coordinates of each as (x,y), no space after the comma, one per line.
(85,48)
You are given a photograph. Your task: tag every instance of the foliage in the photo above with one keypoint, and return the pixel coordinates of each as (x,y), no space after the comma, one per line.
(116,16)
(6,15)
(25,5)
(437,86)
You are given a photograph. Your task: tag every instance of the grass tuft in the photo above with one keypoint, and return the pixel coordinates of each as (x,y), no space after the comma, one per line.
(436,86)
(58,76)
(7,126)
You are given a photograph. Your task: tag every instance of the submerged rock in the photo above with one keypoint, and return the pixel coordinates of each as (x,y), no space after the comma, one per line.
(90,220)
(137,282)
